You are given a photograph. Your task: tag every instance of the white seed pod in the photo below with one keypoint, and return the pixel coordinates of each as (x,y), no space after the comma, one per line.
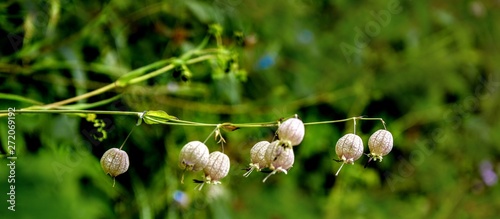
(380,144)
(291,131)
(349,148)
(193,156)
(280,158)
(257,157)
(217,167)
(115,162)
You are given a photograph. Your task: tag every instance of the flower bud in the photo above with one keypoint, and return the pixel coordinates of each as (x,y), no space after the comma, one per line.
(349,148)
(115,162)
(380,144)
(193,156)
(217,167)
(257,157)
(291,132)
(280,158)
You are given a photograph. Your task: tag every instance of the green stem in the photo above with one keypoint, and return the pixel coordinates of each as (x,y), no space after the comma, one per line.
(381,120)
(177,121)
(348,119)
(332,121)
(126,113)
(132,81)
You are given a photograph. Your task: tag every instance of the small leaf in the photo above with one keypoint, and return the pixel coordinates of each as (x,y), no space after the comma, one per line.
(157,117)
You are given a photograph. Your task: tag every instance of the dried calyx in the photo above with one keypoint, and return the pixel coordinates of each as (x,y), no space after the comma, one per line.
(380,144)
(115,162)
(291,132)
(257,157)
(280,158)
(349,148)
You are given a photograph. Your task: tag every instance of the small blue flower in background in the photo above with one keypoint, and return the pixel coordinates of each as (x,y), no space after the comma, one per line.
(266,61)
(181,198)
(489,176)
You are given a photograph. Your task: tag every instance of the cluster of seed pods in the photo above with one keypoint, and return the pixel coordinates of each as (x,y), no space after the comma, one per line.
(278,155)
(194,156)
(349,147)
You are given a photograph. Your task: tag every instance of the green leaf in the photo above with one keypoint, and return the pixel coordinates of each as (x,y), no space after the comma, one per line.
(157,117)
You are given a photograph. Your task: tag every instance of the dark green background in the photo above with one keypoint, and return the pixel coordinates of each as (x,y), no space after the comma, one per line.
(429,68)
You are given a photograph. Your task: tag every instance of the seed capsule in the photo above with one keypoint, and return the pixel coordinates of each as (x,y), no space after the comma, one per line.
(380,144)
(349,148)
(193,156)
(257,157)
(217,167)
(115,162)
(280,158)
(291,132)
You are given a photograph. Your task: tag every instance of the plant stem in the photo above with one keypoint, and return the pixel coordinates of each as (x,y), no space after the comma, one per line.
(332,121)
(80,97)
(132,81)
(127,113)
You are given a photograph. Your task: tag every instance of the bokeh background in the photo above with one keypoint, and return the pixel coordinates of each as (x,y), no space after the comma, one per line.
(429,69)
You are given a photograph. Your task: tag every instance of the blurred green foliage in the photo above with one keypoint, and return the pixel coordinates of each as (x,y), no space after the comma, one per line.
(430,69)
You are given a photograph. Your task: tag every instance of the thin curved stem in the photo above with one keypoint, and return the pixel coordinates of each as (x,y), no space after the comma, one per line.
(381,120)
(127,137)
(332,121)
(211,133)
(132,81)
(79,97)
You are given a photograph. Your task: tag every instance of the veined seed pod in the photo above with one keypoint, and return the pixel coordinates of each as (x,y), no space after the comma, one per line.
(380,144)
(349,148)
(193,156)
(216,168)
(291,132)
(115,162)
(257,157)
(280,158)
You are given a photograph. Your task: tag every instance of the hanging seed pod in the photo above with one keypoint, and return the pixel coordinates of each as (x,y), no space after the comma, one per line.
(115,162)
(193,156)
(257,157)
(380,144)
(349,148)
(280,158)
(291,132)
(216,168)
